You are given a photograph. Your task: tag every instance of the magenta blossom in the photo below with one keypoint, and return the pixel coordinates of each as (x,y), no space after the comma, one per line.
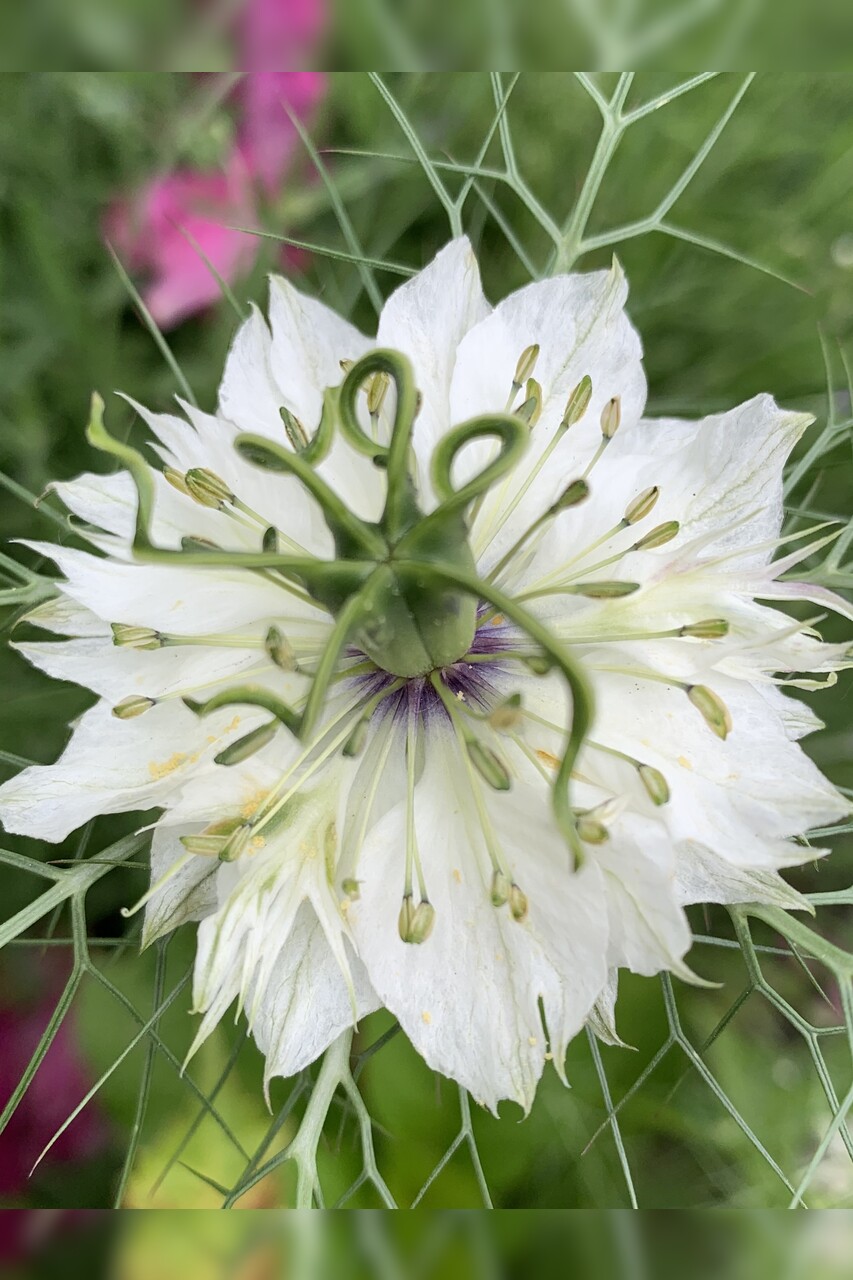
(57,1087)
(179,220)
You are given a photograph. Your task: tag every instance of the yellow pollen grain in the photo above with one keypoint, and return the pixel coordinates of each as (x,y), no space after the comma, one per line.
(498,620)
(457,875)
(251,806)
(460,696)
(547,758)
(211,737)
(532,1041)
(162,768)
(549,1057)
(684,762)
(258,842)
(426,1017)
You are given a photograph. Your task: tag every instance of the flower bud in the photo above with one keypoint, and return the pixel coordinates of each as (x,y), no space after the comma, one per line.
(130,708)
(517,903)
(713,709)
(237,752)
(135,637)
(577,403)
(657,787)
(526,365)
(294,430)
(642,505)
(707,629)
(501,888)
(176,479)
(658,536)
(279,650)
(611,416)
(573,493)
(605,590)
(489,765)
(506,714)
(207,489)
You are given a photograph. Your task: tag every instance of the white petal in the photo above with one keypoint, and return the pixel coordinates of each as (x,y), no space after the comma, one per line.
(178,600)
(426,318)
(306,1003)
(580,324)
(115,673)
(109,766)
(468,997)
(702,876)
(648,929)
(188,894)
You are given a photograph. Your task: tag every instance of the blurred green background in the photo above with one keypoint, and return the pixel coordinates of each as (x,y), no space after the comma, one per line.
(777,187)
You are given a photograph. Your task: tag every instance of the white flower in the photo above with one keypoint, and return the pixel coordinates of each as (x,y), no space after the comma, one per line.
(420,846)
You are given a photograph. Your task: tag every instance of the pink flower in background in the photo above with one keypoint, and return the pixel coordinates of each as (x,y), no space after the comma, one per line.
(168,229)
(60,1083)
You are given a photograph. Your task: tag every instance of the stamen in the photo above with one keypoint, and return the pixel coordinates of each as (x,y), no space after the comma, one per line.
(575,408)
(531,410)
(130,637)
(155,888)
(577,403)
(133,706)
(707,629)
(712,708)
(641,505)
(611,416)
(523,370)
(518,904)
(572,495)
(487,762)
(236,843)
(605,590)
(176,480)
(294,430)
(658,536)
(243,748)
(657,787)
(500,890)
(415,922)
(506,715)
(280,650)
